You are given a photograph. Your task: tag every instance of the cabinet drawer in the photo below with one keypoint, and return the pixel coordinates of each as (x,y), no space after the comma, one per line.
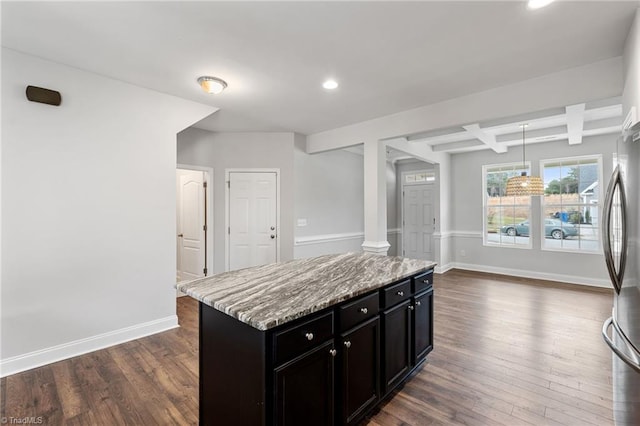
(358,311)
(295,340)
(422,281)
(396,293)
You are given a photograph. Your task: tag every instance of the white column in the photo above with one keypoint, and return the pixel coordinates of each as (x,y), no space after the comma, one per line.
(375,198)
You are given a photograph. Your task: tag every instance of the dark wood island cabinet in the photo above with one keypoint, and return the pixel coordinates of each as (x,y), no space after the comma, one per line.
(319,348)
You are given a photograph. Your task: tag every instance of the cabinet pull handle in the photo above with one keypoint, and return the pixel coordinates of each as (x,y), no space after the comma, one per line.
(347,344)
(400,293)
(364,310)
(333,352)
(410,307)
(418,303)
(309,336)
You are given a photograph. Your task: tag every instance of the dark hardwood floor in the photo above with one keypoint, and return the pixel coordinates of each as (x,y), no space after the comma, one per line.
(508,351)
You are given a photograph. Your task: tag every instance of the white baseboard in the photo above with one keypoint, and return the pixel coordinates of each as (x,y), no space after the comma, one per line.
(444,268)
(571,279)
(41,357)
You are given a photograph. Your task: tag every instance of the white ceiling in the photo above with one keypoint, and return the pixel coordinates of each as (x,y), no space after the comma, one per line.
(387,56)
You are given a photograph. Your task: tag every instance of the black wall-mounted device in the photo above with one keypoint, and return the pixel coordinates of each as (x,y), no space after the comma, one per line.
(44,96)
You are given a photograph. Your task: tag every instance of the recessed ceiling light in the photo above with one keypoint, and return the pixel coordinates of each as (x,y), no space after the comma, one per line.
(537,4)
(330,84)
(212,85)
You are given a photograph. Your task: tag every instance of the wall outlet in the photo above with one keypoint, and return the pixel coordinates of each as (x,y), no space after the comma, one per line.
(302,222)
(463,253)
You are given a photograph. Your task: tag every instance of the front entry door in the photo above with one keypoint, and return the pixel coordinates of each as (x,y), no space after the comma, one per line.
(252,219)
(418,221)
(191,224)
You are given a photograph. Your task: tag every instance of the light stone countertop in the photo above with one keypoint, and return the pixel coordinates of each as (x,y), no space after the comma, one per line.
(269,295)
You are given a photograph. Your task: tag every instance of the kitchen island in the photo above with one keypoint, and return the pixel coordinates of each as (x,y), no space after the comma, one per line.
(310,341)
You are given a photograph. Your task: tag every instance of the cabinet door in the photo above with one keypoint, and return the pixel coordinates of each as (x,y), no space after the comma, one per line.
(422,326)
(304,389)
(360,378)
(396,324)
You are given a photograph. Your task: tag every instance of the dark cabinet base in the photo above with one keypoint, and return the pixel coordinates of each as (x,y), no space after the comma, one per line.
(233,371)
(310,371)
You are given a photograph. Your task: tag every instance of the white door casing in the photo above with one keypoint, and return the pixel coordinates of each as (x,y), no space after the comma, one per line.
(190,215)
(252,218)
(418,221)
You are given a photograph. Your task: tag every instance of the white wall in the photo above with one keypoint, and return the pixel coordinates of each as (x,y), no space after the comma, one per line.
(242,150)
(329,195)
(466,217)
(88,211)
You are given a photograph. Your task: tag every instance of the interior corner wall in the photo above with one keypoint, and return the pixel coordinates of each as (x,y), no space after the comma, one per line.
(329,196)
(88,211)
(223,151)
(468,251)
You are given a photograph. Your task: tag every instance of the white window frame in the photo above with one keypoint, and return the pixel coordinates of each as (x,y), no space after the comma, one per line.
(485,197)
(543,205)
(432,177)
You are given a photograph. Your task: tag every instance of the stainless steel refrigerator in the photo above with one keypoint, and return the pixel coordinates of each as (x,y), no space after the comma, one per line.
(621,239)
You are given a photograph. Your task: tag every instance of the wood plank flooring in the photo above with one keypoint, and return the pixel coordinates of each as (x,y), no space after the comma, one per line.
(508,351)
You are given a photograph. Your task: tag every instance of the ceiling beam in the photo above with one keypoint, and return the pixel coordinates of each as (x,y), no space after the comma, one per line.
(486,138)
(575,123)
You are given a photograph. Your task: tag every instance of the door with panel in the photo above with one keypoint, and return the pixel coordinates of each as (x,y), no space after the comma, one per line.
(360,375)
(191,220)
(253,219)
(304,389)
(418,221)
(422,325)
(396,325)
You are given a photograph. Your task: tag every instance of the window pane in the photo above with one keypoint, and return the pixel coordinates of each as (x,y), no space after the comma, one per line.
(571,204)
(506,217)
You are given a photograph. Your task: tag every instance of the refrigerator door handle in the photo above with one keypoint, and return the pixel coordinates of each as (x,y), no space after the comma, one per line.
(616,185)
(632,361)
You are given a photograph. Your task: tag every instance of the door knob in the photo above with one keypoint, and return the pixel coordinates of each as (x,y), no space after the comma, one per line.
(273,228)
(180,235)
(272,236)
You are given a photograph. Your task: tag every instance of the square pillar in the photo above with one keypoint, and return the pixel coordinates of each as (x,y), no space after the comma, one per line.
(375,198)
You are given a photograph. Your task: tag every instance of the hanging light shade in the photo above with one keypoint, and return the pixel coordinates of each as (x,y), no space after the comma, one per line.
(523,184)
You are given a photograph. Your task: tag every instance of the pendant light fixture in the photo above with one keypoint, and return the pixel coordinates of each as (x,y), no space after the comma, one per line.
(523,184)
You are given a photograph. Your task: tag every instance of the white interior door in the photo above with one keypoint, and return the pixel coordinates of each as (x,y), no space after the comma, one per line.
(252,219)
(418,222)
(190,216)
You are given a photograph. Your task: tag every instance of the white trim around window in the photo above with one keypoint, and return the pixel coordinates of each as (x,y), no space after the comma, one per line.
(492,229)
(577,208)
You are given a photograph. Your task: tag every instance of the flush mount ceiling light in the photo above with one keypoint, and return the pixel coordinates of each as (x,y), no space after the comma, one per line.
(212,85)
(330,84)
(537,4)
(523,184)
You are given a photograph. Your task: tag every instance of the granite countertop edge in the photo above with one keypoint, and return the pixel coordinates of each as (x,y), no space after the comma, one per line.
(256,295)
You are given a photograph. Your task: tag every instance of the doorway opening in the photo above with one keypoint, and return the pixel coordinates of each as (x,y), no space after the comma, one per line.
(194,222)
(418,214)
